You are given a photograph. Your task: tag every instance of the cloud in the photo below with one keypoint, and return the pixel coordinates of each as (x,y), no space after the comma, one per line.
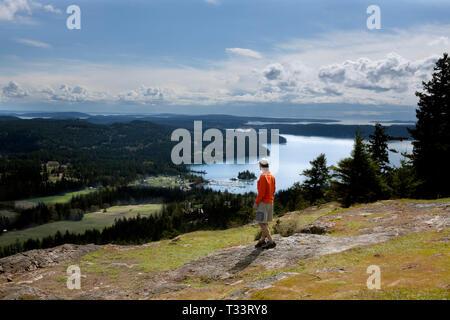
(391,73)
(286,76)
(70,94)
(13,90)
(440,41)
(33,43)
(273,71)
(50,8)
(244,52)
(9,9)
(145,95)
(13,10)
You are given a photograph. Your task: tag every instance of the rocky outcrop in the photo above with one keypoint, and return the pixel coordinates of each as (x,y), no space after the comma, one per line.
(317,228)
(21,292)
(41,258)
(226,263)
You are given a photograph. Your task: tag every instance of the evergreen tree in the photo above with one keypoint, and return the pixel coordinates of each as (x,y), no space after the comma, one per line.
(379,148)
(357,179)
(317,179)
(403,180)
(431,155)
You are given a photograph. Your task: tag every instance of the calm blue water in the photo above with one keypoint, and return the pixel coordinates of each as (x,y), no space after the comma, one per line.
(294,157)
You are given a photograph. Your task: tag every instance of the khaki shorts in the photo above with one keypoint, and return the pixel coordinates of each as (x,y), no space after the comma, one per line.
(264,213)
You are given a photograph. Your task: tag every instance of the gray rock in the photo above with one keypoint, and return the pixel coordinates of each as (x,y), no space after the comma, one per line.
(225,264)
(111,294)
(336,269)
(318,228)
(25,293)
(41,258)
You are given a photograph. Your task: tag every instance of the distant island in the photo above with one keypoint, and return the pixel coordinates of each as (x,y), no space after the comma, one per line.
(246,175)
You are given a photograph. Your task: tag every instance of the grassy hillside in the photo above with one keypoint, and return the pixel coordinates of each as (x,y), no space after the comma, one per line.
(412,267)
(407,239)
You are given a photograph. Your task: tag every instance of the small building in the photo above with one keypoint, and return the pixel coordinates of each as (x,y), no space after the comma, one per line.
(52,164)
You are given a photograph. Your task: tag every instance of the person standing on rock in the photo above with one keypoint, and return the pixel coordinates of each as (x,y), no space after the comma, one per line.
(264,205)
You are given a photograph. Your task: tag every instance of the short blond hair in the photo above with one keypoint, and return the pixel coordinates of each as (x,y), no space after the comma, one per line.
(264,163)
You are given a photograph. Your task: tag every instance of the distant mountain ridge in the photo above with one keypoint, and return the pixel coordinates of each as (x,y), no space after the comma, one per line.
(311,127)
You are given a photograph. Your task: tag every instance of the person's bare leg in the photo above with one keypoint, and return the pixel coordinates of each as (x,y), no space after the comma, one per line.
(263,231)
(267,232)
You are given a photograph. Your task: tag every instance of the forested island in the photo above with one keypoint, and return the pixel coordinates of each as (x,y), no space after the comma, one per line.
(246,175)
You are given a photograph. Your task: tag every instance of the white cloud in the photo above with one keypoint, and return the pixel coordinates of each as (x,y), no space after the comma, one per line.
(14,10)
(70,94)
(13,90)
(145,95)
(33,43)
(50,8)
(439,41)
(9,9)
(391,73)
(244,52)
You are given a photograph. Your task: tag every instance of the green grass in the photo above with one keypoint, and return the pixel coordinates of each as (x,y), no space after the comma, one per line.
(425,201)
(412,267)
(62,198)
(165,256)
(94,220)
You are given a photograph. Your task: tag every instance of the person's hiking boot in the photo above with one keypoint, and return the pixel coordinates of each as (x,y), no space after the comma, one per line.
(260,243)
(269,245)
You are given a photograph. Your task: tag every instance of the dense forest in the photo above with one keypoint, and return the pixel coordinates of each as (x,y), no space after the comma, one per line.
(80,154)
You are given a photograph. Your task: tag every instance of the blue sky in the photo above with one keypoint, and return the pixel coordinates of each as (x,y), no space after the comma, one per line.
(141,56)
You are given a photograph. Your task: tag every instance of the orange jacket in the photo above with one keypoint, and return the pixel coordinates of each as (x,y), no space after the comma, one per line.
(266,188)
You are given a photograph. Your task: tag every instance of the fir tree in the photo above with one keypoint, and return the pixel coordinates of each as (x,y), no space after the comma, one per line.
(317,179)
(379,147)
(431,155)
(357,179)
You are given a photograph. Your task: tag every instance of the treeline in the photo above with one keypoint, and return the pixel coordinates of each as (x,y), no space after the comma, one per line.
(105,198)
(26,178)
(200,209)
(367,175)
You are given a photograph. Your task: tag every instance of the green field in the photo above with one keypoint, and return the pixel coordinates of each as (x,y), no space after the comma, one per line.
(94,220)
(61,198)
(8,214)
